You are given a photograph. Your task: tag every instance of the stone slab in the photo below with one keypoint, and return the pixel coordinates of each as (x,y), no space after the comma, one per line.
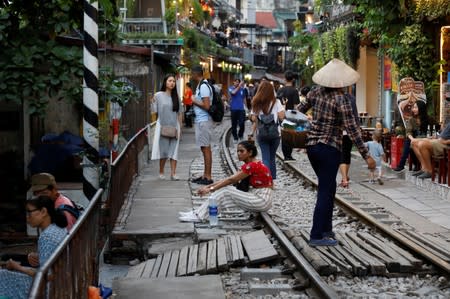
(194,287)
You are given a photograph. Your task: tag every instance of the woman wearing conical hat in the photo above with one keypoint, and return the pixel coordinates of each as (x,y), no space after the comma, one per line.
(332,113)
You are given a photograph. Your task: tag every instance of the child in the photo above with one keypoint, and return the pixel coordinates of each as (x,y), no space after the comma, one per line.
(377,153)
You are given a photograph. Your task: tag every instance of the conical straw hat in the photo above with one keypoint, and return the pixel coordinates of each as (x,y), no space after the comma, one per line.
(336,74)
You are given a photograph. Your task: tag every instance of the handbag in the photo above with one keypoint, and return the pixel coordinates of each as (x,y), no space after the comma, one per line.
(169,132)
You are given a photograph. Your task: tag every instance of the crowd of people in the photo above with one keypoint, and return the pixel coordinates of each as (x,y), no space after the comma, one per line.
(335,129)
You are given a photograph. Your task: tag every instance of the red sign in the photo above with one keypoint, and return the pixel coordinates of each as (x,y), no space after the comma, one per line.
(387,74)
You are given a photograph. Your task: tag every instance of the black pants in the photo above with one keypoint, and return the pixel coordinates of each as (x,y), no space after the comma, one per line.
(237,119)
(188,116)
(287,150)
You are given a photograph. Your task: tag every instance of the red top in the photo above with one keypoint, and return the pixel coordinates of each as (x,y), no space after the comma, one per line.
(260,176)
(187,99)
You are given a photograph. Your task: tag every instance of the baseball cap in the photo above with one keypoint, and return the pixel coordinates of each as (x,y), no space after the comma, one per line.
(41,181)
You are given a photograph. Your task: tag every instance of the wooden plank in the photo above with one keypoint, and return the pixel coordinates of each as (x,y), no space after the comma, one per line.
(148,268)
(183,261)
(405,265)
(258,247)
(240,248)
(192,263)
(357,268)
(211,266)
(234,249)
(164,264)
(221,255)
(156,266)
(413,237)
(321,266)
(375,266)
(345,268)
(391,265)
(172,271)
(202,257)
(229,249)
(136,271)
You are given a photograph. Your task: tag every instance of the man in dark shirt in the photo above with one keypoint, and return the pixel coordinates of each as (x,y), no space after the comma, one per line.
(288,95)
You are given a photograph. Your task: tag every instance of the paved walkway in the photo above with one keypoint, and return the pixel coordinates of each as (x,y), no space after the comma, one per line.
(420,203)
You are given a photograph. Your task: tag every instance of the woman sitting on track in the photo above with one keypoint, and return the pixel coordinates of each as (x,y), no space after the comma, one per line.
(259,197)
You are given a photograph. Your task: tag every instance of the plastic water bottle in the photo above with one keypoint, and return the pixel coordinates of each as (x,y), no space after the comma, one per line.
(213,219)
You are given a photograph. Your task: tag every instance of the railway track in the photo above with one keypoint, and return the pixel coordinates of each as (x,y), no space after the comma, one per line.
(375,248)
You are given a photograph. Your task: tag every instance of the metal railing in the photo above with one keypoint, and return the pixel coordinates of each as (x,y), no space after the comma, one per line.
(123,172)
(147,25)
(73,267)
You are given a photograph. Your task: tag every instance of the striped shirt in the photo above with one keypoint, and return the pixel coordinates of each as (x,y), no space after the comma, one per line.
(332,113)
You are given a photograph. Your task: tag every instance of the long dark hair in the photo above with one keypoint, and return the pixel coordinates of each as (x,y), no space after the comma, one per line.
(173,94)
(250,147)
(57,216)
(423,116)
(264,98)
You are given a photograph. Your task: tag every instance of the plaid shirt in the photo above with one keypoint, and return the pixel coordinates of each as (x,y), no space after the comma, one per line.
(332,113)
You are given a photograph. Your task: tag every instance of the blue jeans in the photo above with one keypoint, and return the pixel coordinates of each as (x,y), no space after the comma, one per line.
(325,161)
(268,150)
(237,119)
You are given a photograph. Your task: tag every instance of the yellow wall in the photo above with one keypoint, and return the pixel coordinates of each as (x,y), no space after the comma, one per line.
(367,87)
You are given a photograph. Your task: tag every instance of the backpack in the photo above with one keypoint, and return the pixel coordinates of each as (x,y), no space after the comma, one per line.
(216,110)
(267,127)
(75,210)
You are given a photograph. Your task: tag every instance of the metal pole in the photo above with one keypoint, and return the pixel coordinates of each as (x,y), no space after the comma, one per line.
(90,100)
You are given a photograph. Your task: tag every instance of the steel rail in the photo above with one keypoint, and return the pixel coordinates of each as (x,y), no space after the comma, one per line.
(324,289)
(423,252)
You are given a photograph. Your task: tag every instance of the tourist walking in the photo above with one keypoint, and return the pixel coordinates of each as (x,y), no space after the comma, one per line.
(260,184)
(377,153)
(332,113)
(166,139)
(203,123)
(289,96)
(267,114)
(238,96)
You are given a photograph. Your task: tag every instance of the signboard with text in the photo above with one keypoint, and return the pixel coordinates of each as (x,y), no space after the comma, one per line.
(409,91)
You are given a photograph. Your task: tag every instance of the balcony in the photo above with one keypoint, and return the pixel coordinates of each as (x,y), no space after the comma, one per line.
(143,25)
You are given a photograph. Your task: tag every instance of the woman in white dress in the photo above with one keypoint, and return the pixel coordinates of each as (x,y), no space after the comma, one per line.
(168,129)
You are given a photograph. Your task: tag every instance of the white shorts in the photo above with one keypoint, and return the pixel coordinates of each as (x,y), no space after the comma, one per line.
(203,133)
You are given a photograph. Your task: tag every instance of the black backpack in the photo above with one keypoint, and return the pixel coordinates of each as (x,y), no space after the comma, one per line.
(267,127)
(216,110)
(75,210)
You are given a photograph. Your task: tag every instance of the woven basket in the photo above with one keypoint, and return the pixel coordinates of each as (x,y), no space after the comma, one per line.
(294,138)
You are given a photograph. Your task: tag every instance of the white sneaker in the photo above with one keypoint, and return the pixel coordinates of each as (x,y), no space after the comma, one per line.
(190,218)
(174,178)
(162,177)
(188,213)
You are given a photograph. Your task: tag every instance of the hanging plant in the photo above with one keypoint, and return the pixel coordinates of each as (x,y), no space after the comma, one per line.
(116,90)
(352,39)
(431,9)
(414,54)
(341,43)
(329,46)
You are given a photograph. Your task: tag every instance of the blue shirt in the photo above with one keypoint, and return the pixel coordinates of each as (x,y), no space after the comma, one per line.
(237,99)
(202,91)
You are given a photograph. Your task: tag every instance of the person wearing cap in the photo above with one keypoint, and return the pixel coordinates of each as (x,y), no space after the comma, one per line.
(45,184)
(203,123)
(332,113)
